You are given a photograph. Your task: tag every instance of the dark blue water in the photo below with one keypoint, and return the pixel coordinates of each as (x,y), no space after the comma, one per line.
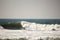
(43,21)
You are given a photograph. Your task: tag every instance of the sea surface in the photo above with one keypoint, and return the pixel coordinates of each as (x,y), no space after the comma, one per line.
(43,21)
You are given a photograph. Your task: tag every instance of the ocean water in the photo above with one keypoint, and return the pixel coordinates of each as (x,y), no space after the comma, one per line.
(29,34)
(43,21)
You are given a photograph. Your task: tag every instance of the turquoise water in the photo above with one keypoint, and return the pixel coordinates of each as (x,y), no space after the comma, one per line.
(43,21)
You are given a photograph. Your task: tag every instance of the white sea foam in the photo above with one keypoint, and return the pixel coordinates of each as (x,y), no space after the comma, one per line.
(1,27)
(38,30)
(36,26)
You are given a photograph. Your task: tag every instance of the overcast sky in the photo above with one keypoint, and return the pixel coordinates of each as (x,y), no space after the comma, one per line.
(43,9)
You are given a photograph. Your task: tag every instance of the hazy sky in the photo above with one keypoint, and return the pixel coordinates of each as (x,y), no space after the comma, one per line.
(30,9)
